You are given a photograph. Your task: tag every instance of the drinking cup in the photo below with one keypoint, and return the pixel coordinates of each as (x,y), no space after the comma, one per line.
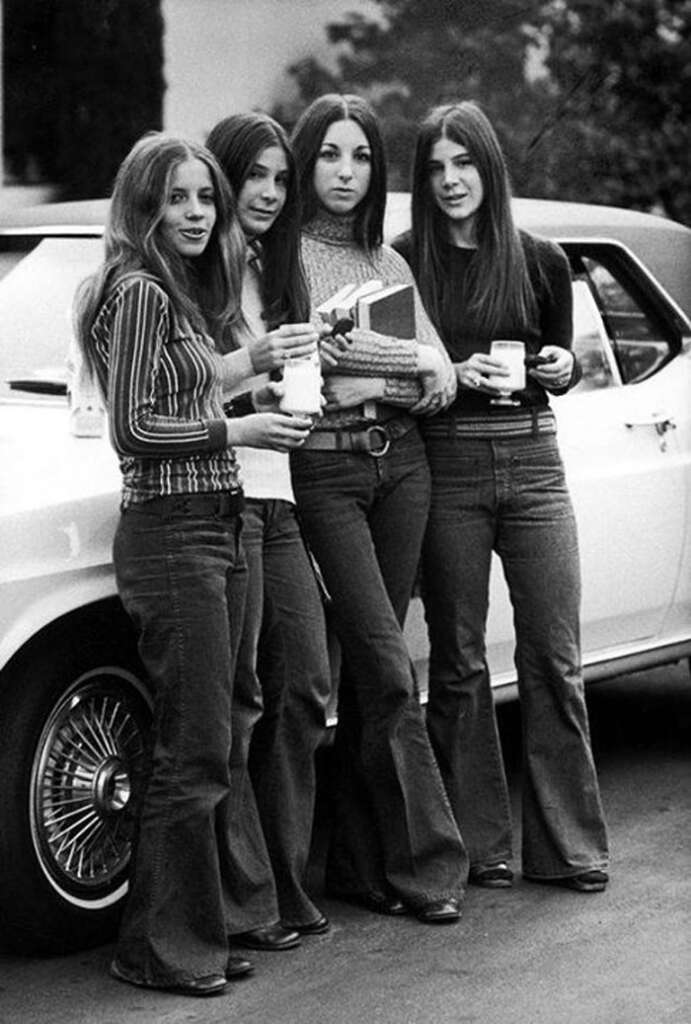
(512,355)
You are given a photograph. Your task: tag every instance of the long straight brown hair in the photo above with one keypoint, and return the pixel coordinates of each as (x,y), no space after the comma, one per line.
(205,292)
(499,286)
(307,138)
(237,142)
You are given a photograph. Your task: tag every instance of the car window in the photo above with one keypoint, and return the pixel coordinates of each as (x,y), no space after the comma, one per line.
(636,338)
(590,342)
(637,334)
(38,279)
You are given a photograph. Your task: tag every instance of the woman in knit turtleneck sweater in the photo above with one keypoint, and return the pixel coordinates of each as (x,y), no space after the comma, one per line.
(361,483)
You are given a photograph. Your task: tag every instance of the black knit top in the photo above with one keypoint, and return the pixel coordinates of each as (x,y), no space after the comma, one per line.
(552,324)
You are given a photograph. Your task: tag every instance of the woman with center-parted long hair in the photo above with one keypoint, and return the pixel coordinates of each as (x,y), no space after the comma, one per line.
(498,485)
(149,324)
(283,677)
(362,488)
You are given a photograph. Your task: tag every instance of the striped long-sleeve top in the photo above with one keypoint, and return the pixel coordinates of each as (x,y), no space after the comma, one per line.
(163,383)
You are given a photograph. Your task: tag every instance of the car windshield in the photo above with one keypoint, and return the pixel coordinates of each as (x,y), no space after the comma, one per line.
(36,292)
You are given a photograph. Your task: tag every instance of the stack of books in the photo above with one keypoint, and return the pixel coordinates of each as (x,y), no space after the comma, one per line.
(388,310)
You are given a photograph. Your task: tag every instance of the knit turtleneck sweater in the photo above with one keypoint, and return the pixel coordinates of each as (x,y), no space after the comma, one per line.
(332,259)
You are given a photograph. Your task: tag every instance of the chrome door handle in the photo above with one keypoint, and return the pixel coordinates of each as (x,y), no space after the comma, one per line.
(660,421)
(656,419)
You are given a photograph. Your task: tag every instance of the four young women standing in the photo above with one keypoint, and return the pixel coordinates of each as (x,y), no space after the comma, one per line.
(155,323)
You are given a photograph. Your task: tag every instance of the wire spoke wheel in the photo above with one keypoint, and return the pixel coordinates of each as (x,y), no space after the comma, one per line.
(86,773)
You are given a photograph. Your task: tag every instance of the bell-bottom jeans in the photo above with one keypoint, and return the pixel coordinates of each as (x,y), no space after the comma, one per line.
(282,686)
(200,871)
(393,829)
(510,496)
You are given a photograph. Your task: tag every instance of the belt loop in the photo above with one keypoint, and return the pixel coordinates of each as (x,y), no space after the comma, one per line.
(536,425)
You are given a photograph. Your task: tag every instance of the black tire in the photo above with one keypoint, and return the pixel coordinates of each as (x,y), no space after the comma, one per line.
(74,716)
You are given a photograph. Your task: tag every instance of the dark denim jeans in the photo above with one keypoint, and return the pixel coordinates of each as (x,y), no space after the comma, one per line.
(282,686)
(364,519)
(510,496)
(182,579)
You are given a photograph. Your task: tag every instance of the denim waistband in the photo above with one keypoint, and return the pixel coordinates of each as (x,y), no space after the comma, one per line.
(514,424)
(209,503)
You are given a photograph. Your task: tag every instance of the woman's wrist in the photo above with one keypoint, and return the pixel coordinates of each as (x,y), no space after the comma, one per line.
(428,359)
(237,366)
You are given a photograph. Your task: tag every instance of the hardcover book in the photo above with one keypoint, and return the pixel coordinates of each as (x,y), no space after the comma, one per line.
(389,310)
(336,307)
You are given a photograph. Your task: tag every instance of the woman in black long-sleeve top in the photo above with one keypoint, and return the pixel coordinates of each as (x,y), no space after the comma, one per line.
(498,485)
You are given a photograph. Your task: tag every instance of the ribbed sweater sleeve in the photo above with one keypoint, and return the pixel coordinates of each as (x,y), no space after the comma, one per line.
(377,355)
(403,391)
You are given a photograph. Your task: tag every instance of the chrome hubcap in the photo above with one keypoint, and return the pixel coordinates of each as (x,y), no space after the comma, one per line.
(88,764)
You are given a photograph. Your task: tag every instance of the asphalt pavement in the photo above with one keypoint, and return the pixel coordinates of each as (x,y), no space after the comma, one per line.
(528,955)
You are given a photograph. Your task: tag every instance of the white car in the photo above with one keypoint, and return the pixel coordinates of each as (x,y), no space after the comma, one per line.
(74,701)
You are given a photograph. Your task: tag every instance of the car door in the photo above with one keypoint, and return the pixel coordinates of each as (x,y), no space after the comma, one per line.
(625,436)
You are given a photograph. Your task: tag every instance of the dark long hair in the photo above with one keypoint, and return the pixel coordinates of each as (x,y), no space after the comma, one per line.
(307,138)
(206,291)
(237,143)
(499,284)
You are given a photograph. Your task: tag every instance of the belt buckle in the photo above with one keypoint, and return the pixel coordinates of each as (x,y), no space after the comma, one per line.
(386,441)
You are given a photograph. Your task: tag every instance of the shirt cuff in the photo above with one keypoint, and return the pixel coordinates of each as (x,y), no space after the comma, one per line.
(218,437)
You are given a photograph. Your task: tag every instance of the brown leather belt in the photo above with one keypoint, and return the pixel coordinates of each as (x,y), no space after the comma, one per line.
(374,440)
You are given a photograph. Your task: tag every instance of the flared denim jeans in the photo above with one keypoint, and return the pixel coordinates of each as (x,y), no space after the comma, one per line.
(510,496)
(282,687)
(393,828)
(200,872)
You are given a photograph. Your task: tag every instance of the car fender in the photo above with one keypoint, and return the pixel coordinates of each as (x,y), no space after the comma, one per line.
(37,607)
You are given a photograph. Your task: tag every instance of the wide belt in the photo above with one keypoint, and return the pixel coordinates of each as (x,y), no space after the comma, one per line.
(208,503)
(527,422)
(374,440)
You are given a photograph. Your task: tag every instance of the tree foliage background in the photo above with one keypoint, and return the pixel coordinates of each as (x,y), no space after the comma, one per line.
(83,80)
(591,99)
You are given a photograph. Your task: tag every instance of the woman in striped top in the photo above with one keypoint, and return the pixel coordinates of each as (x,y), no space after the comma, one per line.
(148,323)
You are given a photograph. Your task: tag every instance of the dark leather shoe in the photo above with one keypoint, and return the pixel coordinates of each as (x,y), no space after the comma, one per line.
(318,927)
(491,876)
(375,900)
(587,881)
(207,985)
(238,967)
(273,938)
(439,912)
